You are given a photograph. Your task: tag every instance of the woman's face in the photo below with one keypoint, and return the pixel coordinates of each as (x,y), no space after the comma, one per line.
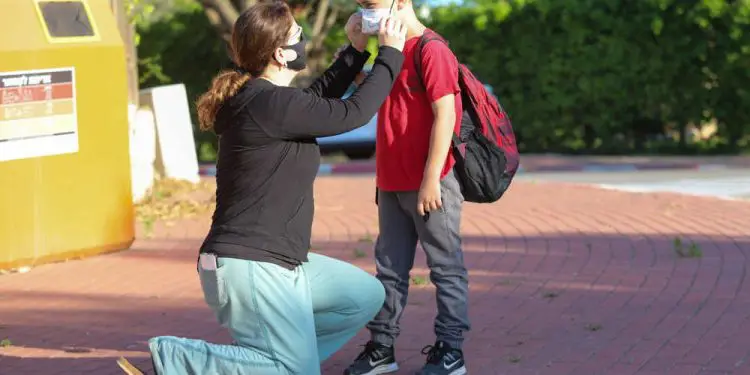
(292,55)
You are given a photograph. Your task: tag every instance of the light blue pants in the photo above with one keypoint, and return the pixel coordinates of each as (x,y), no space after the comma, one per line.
(283,321)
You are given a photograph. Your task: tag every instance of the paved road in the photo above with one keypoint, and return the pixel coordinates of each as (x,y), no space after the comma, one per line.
(565,280)
(718,183)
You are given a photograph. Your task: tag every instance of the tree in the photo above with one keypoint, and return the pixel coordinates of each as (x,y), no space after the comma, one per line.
(124,14)
(317,18)
(611,76)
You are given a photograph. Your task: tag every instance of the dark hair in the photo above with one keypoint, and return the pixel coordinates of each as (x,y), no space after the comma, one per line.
(256,34)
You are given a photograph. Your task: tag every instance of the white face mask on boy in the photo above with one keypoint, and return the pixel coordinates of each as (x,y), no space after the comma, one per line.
(371,18)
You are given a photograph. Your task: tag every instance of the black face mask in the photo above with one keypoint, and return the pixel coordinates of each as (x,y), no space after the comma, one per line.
(300,63)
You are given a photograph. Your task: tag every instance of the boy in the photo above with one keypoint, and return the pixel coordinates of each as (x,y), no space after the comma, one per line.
(419,199)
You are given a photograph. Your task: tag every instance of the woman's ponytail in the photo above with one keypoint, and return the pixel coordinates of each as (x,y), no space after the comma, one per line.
(225,85)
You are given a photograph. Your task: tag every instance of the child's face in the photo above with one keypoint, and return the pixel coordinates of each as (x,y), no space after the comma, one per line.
(374,4)
(373,11)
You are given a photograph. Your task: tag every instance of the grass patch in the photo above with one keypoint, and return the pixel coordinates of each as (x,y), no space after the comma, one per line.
(419,280)
(367,238)
(692,250)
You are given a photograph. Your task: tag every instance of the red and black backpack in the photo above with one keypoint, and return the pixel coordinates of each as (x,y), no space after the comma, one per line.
(485,149)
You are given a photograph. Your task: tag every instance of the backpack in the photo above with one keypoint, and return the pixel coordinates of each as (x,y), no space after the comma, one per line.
(485,149)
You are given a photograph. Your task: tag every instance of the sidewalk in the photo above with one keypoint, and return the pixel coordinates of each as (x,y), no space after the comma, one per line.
(552,163)
(563,163)
(566,280)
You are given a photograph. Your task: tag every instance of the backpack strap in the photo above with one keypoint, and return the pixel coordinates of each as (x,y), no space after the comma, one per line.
(427,37)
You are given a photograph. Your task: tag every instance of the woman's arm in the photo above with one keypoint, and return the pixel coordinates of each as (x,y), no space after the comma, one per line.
(297,114)
(334,82)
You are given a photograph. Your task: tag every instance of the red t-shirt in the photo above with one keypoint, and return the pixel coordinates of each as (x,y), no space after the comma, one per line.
(405,119)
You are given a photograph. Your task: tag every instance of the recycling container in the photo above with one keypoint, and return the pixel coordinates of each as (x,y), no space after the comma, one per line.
(65,188)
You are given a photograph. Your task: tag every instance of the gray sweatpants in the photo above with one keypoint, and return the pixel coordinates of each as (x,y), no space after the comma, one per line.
(400,229)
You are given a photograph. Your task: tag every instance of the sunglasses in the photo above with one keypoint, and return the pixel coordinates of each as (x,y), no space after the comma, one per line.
(298,35)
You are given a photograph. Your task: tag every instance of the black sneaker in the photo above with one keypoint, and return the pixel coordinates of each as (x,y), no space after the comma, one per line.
(443,360)
(374,360)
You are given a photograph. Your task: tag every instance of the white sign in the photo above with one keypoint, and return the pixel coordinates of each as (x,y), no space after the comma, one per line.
(38,113)
(176,157)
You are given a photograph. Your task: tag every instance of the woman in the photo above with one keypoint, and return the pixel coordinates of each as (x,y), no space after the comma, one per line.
(286,309)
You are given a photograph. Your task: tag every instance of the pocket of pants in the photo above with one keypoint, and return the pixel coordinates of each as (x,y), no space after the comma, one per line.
(450,191)
(214,286)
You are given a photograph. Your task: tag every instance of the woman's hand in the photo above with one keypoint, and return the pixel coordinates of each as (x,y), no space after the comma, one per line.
(354,32)
(392,33)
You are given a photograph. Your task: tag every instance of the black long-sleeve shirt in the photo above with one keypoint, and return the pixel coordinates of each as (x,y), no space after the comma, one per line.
(268,156)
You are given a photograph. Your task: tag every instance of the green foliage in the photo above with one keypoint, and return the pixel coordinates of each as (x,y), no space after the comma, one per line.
(138,12)
(182,47)
(611,76)
(179,45)
(586,76)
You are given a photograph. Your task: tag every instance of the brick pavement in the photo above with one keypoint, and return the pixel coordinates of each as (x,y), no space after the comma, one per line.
(565,280)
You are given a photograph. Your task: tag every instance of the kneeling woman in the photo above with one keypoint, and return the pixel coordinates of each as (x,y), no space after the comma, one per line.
(286,309)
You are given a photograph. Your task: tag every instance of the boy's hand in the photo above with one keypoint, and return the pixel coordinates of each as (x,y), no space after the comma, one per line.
(360,78)
(429,198)
(354,32)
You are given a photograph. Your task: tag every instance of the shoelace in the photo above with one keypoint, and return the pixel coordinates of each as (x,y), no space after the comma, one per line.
(434,354)
(371,350)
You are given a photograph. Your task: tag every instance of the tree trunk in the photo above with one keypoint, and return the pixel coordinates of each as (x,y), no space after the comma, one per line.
(223,13)
(127,32)
(683,133)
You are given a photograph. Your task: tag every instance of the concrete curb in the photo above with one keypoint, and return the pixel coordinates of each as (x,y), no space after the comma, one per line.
(369,168)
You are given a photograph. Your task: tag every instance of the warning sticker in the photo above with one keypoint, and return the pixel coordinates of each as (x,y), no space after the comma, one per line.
(37,113)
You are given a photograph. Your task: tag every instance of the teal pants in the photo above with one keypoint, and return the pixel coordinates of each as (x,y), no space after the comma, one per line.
(282,321)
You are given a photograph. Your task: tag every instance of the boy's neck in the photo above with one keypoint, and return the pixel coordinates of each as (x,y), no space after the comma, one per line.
(414,28)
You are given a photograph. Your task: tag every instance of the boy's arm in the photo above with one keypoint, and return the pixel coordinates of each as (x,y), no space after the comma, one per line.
(440,69)
(443,128)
